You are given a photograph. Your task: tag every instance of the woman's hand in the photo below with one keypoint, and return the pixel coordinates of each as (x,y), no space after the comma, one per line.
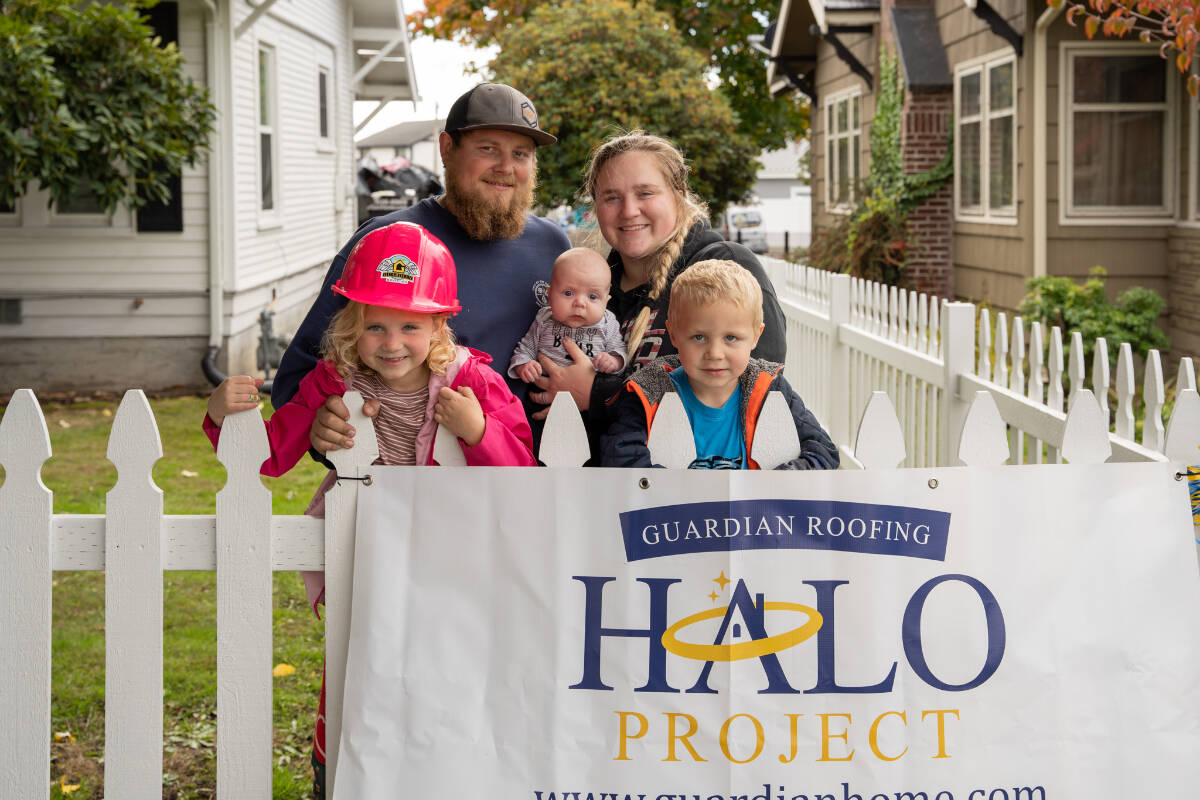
(576,378)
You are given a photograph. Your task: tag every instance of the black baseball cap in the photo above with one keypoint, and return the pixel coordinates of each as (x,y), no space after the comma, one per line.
(494,105)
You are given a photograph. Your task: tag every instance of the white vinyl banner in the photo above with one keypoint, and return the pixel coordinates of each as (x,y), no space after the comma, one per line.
(1016,633)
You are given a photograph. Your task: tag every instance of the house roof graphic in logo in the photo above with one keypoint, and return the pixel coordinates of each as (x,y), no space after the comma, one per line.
(398,269)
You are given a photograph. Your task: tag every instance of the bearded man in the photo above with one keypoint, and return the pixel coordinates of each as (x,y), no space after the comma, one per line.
(502,252)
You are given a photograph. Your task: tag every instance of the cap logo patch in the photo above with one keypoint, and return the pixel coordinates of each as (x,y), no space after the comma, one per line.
(529,115)
(398,269)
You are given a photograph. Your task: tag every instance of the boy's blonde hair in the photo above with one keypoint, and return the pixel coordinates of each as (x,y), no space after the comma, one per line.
(340,343)
(716,280)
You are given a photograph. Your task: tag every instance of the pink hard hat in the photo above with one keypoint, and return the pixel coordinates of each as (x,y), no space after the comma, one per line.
(401,266)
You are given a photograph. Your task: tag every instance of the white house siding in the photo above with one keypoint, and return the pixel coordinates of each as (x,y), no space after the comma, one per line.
(281,261)
(103,308)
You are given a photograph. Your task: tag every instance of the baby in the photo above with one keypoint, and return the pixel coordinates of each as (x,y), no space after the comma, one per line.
(577,310)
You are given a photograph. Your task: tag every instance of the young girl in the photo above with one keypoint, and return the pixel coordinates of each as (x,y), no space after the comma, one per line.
(391,343)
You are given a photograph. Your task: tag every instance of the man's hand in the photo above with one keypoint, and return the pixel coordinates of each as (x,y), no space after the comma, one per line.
(575,378)
(461,413)
(607,362)
(530,371)
(331,428)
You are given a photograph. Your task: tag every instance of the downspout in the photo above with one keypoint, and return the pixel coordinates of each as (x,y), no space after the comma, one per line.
(220,205)
(1040,200)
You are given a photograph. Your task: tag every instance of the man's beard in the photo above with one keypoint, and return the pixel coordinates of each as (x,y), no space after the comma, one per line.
(484,219)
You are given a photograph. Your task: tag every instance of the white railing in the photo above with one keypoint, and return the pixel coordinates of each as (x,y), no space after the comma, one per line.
(851,348)
(848,338)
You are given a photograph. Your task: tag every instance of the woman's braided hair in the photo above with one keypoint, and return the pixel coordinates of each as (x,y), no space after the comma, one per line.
(689,207)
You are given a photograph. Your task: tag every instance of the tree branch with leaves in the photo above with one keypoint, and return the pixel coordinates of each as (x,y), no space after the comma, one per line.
(719,30)
(1173,24)
(92,96)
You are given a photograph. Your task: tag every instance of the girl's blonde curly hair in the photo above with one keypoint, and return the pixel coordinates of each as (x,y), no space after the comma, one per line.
(339,346)
(690,209)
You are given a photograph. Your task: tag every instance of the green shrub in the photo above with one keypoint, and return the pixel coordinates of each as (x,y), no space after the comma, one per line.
(1060,301)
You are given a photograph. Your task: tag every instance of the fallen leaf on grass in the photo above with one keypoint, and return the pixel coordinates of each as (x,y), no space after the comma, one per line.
(67,788)
(282,669)
(63,736)
(106,413)
(187,473)
(62,423)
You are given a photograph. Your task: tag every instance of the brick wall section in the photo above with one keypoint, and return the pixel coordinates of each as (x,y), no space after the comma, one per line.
(1183,304)
(926,126)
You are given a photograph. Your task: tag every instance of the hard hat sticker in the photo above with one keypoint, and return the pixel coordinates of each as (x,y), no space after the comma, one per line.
(398,269)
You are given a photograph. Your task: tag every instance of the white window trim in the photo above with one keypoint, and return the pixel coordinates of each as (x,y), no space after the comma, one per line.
(32,215)
(1067,213)
(1194,167)
(325,143)
(267,218)
(833,100)
(984,213)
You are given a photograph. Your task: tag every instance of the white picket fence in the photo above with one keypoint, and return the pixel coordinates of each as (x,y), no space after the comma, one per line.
(852,346)
(848,338)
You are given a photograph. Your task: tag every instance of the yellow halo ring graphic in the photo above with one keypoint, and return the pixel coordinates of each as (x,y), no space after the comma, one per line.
(742,650)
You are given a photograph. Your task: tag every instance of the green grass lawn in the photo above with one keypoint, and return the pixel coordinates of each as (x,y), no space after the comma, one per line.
(189,475)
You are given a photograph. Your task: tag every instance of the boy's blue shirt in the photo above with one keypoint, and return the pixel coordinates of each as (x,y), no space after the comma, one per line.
(624,443)
(717,432)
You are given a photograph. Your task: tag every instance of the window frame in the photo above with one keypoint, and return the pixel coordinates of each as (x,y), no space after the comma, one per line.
(33,215)
(267,217)
(855,136)
(325,143)
(984,213)
(1194,157)
(1068,212)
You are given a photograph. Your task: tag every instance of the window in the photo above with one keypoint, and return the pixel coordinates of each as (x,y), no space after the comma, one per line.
(986,139)
(267,144)
(1116,146)
(1195,159)
(323,125)
(843,147)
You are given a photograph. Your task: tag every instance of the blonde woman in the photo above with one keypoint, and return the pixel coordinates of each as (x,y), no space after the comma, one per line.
(657,229)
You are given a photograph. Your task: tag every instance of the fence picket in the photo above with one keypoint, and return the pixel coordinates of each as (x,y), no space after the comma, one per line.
(670,442)
(775,436)
(1085,436)
(1183,431)
(341,509)
(984,442)
(984,340)
(880,442)
(1000,374)
(1076,368)
(1054,385)
(1154,393)
(1186,377)
(25,599)
(1100,377)
(1125,392)
(564,440)
(133,600)
(446,450)
(1016,384)
(244,611)
(935,334)
(1036,380)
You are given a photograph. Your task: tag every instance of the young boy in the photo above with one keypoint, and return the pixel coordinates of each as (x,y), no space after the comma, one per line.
(714,321)
(577,310)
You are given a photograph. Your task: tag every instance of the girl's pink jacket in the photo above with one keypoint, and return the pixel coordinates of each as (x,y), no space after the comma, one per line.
(507,440)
